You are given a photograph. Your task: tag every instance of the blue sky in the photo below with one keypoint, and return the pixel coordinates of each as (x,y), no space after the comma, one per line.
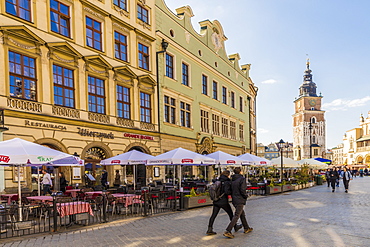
(275,36)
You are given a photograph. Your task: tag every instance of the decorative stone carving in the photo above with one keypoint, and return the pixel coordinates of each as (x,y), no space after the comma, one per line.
(206,145)
(125,122)
(96,117)
(65,112)
(187,37)
(93,12)
(121,11)
(121,27)
(147,126)
(24,105)
(144,40)
(21,45)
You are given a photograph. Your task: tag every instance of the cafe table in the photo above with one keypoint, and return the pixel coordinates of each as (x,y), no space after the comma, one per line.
(129,198)
(9,198)
(73,192)
(40,198)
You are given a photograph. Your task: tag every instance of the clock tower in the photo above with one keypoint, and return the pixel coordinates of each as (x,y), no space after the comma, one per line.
(309,128)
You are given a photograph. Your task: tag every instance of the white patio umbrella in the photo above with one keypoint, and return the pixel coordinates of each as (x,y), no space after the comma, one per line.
(225,159)
(287,162)
(132,157)
(255,160)
(313,163)
(18,152)
(180,156)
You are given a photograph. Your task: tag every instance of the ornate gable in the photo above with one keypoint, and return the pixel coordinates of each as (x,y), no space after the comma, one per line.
(63,52)
(97,64)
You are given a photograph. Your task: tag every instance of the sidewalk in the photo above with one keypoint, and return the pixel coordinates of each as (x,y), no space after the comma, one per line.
(309,217)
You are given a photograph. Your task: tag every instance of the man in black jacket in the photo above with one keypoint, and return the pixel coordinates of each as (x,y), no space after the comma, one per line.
(239,196)
(334,176)
(223,203)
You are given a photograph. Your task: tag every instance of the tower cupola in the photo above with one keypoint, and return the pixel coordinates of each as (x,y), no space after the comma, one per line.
(308,88)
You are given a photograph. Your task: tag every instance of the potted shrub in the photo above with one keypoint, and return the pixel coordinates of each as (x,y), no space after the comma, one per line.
(196,200)
(273,188)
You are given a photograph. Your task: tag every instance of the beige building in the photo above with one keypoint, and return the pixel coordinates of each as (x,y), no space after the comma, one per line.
(79,77)
(356,144)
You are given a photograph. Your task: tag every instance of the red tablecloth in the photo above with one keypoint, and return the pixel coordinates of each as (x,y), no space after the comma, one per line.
(70,208)
(40,198)
(73,192)
(9,197)
(128,198)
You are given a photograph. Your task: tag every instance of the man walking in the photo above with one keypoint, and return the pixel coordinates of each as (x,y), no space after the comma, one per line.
(46,182)
(346,176)
(239,199)
(334,176)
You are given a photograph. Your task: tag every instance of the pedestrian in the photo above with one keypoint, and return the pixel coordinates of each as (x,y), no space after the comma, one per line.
(333,174)
(62,182)
(339,172)
(46,182)
(117,179)
(239,199)
(361,172)
(223,203)
(346,176)
(104,179)
(327,176)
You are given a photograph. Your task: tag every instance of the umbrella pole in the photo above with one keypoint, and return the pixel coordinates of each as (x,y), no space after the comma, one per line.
(38,181)
(205,173)
(219,170)
(180,174)
(134,166)
(19,194)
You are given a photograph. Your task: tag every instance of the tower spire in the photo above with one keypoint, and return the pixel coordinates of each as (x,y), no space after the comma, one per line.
(308,88)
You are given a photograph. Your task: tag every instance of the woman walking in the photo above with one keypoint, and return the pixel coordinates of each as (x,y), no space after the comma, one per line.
(346,176)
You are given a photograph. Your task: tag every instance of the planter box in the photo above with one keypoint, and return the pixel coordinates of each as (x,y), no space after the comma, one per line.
(295,187)
(197,201)
(273,190)
(287,187)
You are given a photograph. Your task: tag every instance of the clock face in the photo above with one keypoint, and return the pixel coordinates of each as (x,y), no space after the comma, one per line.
(312,102)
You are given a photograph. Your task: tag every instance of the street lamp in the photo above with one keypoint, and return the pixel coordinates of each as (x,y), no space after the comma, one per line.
(164,45)
(281,146)
(310,128)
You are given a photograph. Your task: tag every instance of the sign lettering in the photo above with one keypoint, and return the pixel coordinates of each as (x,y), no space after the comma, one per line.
(44,125)
(86,132)
(137,136)
(4,158)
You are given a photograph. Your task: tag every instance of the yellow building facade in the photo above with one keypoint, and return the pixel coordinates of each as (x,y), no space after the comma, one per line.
(79,77)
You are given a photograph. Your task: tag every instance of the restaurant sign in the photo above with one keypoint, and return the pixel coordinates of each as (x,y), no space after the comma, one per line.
(44,125)
(4,158)
(136,136)
(230,162)
(86,132)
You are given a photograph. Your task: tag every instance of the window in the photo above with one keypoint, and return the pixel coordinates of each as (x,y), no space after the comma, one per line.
(204,121)
(185,114)
(169,110)
(233,130)
(120,46)
(63,86)
(22,76)
(59,18)
(215,91)
(215,124)
(185,74)
(241,132)
(142,14)
(123,102)
(204,85)
(143,56)
(120,3)
(225,127)
(232,101)
(169,65)
(96,95)
(20,8)
(224,95)
(145,108)
(315,152)
(93,34)
(241,104)
(313,139)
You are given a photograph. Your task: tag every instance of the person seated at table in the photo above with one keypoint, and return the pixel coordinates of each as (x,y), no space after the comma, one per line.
(62,182)
(117,179)
(46,182)
(104,179)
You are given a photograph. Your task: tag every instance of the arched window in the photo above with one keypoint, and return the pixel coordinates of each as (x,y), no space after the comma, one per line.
(313,120)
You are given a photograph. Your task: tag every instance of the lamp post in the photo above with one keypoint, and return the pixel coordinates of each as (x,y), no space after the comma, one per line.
(164,45)
(281,146)
(310,128)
